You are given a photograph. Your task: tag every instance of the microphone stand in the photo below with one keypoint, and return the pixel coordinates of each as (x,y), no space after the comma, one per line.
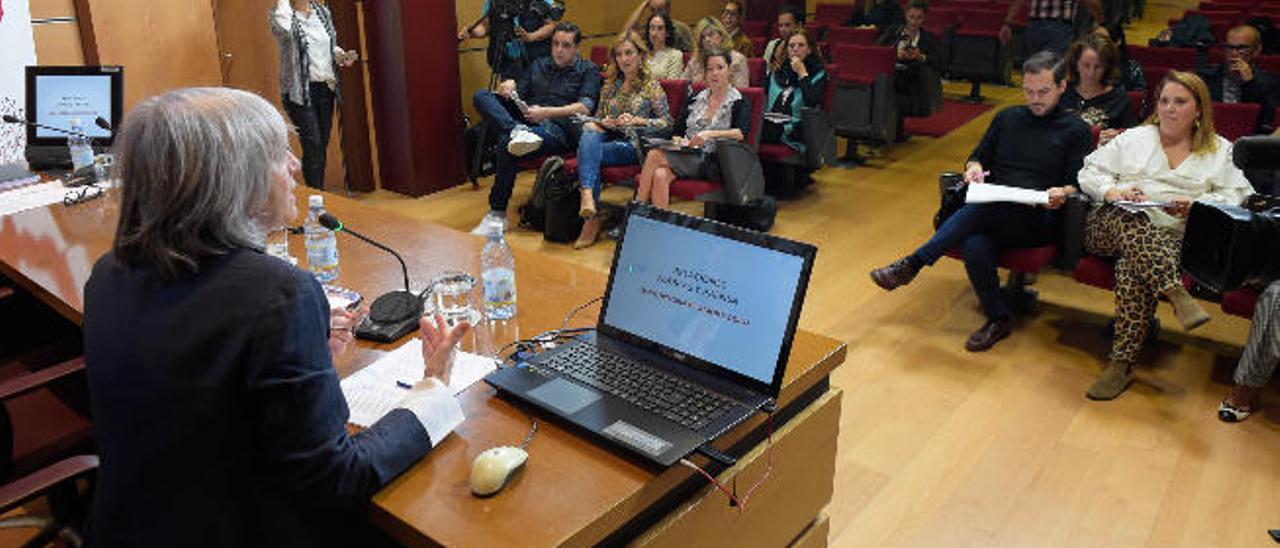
(394,306)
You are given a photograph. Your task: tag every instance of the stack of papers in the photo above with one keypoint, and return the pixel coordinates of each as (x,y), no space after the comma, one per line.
(378,388)
(31,197)
(982,193)
(1132,207)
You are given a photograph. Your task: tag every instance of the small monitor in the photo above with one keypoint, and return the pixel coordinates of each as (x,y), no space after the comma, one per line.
(57,97)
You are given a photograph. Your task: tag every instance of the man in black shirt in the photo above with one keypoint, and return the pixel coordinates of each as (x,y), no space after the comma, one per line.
(1239,80)
(1037,146)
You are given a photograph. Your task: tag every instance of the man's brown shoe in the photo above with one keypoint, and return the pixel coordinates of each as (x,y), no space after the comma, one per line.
(989,334)
(895,275)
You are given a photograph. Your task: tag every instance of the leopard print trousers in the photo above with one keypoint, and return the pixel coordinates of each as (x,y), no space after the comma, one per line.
(1147,264)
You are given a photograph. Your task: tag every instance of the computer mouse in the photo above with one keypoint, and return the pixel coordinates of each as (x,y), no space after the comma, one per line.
(494,467)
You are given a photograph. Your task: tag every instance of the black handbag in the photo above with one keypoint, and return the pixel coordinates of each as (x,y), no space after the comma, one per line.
(951,188)
(740,172)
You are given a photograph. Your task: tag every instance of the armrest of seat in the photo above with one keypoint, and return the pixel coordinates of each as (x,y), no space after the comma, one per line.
(884,110)
(819,137)
(38,379)
(931,80)
(37,483)
(1072,242)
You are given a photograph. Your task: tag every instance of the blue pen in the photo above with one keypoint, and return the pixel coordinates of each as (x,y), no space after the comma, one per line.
(404,385)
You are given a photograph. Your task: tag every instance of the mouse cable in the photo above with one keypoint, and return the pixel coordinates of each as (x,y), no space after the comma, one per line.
(529,437)
(734,500)
(531,344)
(578,309)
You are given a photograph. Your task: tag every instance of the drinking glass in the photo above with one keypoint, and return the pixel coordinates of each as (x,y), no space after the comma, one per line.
(452,294)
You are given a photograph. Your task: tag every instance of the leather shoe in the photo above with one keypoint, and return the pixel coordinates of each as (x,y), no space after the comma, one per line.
(989,334)
(895,275)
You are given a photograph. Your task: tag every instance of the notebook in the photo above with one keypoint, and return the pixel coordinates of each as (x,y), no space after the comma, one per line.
(693,337)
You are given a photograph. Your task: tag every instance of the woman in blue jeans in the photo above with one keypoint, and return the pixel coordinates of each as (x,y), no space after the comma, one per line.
(632,105)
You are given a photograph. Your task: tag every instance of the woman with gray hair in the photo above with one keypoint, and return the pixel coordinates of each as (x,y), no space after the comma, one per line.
(309,59)
(216,406)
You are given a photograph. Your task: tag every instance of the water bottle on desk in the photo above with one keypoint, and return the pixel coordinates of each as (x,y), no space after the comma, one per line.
(79,146)
(498,274)
(322,243)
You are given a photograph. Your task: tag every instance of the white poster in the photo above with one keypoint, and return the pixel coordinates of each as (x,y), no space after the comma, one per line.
(17,50)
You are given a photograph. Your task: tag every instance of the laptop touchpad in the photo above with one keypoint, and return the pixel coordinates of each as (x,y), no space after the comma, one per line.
(563,396)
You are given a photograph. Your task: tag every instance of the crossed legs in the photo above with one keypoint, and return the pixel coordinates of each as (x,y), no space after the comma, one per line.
(654,184)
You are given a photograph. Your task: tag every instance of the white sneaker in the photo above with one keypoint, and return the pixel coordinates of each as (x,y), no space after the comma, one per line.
(491,222)
(523,141)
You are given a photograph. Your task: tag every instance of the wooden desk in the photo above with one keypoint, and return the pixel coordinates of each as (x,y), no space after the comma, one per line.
(572,491)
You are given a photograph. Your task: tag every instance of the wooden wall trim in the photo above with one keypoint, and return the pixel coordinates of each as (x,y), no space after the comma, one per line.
(88,40)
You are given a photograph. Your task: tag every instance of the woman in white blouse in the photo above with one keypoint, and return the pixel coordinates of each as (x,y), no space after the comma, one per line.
(1174,159)
(712,35)
(665,61)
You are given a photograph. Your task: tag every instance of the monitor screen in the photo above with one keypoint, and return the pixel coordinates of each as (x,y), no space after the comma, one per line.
(62,97)
(727,302)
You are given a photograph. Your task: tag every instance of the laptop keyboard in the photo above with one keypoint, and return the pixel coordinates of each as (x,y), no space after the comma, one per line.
(666,395)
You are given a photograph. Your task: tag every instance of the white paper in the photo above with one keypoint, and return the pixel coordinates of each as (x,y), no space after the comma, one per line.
(31,197)
(1132,206)
(378,388)
(982,193)
(437,409)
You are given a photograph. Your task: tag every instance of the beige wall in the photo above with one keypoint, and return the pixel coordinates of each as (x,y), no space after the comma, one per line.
(56,32)
(593,16)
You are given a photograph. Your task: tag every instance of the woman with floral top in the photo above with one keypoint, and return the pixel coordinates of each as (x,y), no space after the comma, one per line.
(632,105)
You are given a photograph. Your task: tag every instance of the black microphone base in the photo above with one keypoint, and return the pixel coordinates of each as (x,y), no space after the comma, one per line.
(391,316)
(47,158)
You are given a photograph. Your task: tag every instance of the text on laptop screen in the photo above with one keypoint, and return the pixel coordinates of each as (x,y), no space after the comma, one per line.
(60,99)
(720,300)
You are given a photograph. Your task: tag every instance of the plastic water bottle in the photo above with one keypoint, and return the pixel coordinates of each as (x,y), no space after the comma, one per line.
(79,146)
(322,243)
(498,274)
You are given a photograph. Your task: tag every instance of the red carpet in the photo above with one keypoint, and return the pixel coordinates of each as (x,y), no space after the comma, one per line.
(953,114)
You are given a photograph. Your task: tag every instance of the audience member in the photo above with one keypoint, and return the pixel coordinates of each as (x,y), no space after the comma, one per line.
(639,18)
(1038,146)
(665,61)
(798,82)
(913,45)
(216,405)
(556,88)
(731,18)
(309,59)
(1239,80)
(1132,78)
(712,36)
(1051,25)
(1258,363)
(790,18)
(632,106)
(717,112)
(881,14)
(1092,74)
(1175,159)
(518,39)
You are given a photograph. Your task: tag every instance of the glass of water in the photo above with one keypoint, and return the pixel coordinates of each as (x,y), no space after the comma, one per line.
(278,244)
(452,295)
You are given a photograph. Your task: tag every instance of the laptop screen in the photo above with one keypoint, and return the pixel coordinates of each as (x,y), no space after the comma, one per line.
(727,297)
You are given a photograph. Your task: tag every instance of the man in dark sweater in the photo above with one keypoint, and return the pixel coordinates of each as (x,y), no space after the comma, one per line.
(1037,146)
(1239,80)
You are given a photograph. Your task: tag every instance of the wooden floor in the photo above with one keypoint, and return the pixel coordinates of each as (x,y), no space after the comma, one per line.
(941,447)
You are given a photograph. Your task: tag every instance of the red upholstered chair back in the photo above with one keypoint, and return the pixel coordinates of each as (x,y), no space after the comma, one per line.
(861,64)
(755,70)
(676,91)
(757,98)
(1178,58)
(1137,102)
(756,29)
(851,35)
(1269,63)
(1235,120)
(832,14)
(758,43)
(980,22)
(1153,74)
(600,56)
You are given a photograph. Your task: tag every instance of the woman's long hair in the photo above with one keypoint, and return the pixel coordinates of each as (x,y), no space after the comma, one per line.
(1108,55)
(1203,136)
(642,70)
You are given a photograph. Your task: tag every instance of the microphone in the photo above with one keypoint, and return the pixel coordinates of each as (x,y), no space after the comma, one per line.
(394,306)
(102,123)
(9,118)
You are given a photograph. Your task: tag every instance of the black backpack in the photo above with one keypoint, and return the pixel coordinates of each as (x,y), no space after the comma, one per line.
(533,214)
(757,215)
(481,146)
(1193,31)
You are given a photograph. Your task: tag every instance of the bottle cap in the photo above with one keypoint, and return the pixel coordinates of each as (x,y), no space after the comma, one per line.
(315,200)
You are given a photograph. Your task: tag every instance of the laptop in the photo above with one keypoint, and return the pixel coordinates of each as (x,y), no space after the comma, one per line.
(693,337)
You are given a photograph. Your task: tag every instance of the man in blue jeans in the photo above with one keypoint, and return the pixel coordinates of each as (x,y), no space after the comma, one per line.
(1037,146)
(532,115)
(1050,23)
